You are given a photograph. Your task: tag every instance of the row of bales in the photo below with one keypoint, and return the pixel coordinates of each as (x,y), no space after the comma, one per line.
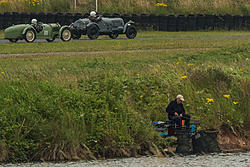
(157,22)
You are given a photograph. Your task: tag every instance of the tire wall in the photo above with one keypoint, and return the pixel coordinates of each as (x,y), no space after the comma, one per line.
(143,21)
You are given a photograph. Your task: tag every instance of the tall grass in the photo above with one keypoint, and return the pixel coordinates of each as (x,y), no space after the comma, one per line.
(129,6)
(102,105)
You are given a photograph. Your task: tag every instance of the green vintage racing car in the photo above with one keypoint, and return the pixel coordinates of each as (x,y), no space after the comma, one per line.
(37,30)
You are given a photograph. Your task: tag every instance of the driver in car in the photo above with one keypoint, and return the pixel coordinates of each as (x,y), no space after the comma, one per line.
(37,26)
(93,17)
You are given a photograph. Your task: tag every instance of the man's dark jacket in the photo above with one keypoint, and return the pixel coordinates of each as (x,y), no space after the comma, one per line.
(175,107)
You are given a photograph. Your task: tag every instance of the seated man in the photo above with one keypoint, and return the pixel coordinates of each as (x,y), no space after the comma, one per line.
(176,111)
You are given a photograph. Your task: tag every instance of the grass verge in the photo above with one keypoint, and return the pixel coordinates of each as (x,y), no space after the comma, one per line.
(88,106)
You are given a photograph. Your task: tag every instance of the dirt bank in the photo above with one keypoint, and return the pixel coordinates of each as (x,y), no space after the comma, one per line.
(234,140)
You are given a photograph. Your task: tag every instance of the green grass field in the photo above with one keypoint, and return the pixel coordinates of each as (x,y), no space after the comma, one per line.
(101,101)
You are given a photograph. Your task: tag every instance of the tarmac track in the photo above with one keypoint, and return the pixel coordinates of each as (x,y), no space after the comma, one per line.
(2,41)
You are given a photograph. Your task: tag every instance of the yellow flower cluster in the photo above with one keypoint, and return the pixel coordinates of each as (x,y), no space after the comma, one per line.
(235,102)
(209,101)
(184,77)
(161,4)
(3,2)
(2,72)
(33,2)
(227,96)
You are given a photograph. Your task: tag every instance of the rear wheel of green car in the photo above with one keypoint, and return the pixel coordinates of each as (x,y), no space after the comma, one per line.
(30,35)
(66,35)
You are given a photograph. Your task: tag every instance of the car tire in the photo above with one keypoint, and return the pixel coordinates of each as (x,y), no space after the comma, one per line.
(131,32)
(113,35)
(66,35)
(93,32)
(51,40)
(30,36)
(13,40)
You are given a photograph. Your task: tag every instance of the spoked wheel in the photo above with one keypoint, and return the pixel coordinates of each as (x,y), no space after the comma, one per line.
(66,35)
(93,32)
(131,32)
(113,35)
(13,40)
(30,35)
(51,40)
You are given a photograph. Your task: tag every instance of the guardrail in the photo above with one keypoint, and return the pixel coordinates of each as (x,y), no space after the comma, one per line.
(157,22)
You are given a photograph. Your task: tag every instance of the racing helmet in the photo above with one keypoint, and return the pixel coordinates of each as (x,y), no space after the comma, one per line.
(33,21)
(92,14)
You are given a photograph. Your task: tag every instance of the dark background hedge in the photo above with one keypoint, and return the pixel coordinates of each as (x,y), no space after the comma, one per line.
(143,21)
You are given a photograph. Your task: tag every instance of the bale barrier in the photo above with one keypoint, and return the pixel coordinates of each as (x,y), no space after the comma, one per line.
(143,21)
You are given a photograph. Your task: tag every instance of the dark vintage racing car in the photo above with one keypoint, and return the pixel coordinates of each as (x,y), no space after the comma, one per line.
(37,30)
(102,26)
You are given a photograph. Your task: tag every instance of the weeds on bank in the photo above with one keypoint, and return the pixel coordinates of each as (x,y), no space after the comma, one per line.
(90,106)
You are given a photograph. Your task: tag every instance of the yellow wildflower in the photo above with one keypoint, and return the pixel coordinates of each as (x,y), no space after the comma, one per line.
(138,74)
(226,96)
(141,96)
(2,72)
(161,4)
(190,65)
(184,77)
(209,101)
(178,62)
(3,2)
(235,102)
(241,69)
(116,108)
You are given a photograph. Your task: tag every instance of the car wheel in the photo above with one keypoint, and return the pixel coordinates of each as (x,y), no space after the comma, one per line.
(113,35)
(51,40)
(93,32)
(30,35)
(13,40)
(131,32)
(66,35)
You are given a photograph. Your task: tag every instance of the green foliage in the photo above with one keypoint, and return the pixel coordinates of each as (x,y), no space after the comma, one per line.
(104,103)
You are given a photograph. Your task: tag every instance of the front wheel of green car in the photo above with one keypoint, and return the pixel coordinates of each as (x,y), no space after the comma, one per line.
(66,35)
(30,36)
